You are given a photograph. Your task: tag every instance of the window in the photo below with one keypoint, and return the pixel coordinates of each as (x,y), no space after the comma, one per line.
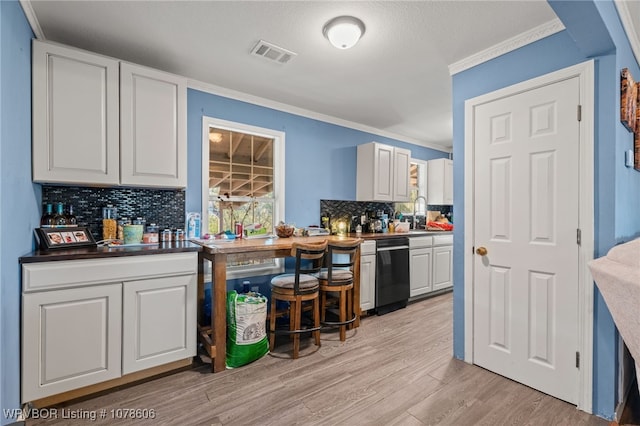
(418,187)
(243,183)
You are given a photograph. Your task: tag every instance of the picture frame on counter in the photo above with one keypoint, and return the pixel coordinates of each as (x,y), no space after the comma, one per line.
(64,237)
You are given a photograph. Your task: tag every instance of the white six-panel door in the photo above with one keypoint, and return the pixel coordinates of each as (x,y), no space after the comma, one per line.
(526,171)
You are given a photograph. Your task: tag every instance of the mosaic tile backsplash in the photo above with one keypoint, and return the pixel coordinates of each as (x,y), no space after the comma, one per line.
(163,207)
(347,210)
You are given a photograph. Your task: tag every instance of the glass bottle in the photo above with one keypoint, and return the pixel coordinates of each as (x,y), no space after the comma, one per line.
(109,223)
(71,217)
(46,221)
(60,219)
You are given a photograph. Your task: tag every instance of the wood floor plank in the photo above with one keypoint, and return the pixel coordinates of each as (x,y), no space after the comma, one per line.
(395,369)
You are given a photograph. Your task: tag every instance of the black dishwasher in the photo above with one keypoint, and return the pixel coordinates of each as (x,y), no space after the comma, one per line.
(392,274)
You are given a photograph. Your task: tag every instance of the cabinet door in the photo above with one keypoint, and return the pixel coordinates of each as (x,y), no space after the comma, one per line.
(448,182)
(401,187)
(159,321)
(75,116)
(70,339)
(367,281)
(442,267)
(420,267)
(153,117)
(440,181)
(383,174)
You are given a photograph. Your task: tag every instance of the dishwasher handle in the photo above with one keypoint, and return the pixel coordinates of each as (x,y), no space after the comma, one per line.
(392,248)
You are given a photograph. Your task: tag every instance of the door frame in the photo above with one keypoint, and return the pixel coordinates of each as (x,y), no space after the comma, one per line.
(585,73)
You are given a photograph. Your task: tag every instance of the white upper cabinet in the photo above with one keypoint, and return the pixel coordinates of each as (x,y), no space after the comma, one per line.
(401,187)
(440,181)
(153,144)
(382,173)
(99,121)
(75,116)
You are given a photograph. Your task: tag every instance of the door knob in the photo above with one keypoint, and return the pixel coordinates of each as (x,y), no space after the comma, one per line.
(481,251)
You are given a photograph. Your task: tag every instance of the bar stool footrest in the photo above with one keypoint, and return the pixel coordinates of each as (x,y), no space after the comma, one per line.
(338,323)
(290,332)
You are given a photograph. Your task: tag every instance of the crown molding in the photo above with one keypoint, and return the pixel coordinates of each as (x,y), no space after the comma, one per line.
(629,27)
(509,45)
(268,103)
(32,19)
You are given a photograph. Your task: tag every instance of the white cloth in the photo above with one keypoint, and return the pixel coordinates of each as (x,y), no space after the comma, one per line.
(617,276)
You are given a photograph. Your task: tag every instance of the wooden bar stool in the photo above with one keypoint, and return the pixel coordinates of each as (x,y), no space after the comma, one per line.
(296,289)
(336,283)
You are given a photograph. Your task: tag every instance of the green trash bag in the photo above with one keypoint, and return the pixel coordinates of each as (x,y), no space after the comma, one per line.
(246,333)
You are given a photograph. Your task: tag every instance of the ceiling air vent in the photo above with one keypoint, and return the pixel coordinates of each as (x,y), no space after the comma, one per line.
(272,52)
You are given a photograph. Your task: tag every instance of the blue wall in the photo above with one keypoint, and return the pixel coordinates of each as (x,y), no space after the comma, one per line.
(320,158)
(593,31)
(19,205)
(330,174)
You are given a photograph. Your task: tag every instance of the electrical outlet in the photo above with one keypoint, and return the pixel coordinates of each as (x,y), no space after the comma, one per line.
(628,158)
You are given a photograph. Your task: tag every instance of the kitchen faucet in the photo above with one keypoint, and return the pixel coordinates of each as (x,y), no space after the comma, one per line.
(415,202)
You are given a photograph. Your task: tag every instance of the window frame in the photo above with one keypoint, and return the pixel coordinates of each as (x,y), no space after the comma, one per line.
(421,189)
(278,185)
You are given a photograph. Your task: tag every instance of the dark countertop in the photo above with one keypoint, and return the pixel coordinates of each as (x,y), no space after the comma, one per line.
(108,252)
(383,235)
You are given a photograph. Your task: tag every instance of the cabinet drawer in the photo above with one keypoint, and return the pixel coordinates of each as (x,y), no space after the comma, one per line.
(417,242)
(443,240)
(75,273)
(368,247)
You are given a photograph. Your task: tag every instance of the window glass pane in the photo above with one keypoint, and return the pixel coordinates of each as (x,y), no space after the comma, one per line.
(417,187)
(241,189)
(242,185)
(224,214)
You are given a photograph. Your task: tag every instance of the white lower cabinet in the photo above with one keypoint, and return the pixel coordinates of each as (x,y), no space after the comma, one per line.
(88,321)
(420,266)
(71,338)
(367,275)
(158,322)
(431,264)
(443,263)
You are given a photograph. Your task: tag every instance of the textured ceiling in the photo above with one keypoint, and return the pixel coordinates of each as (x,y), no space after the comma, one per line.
(396,79)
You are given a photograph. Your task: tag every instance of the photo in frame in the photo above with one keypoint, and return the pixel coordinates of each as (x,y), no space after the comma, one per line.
(64,237)
(628,100)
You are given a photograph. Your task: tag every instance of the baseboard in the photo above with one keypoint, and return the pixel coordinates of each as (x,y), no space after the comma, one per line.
(617,415)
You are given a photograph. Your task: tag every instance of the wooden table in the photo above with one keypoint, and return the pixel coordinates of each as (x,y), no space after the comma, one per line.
(214,336)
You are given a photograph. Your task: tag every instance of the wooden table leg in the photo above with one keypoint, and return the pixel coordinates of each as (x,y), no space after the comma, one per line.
(219,314)
(356,288)
(201,261)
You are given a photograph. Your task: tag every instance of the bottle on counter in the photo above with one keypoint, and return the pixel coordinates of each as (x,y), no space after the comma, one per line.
(60,219)
(71,217)
(166,235)
(151,234)
(46,221)
(121,223)
(109,223)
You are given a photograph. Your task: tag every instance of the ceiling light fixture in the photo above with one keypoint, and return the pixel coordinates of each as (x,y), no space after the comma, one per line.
(215,137)
(344,31)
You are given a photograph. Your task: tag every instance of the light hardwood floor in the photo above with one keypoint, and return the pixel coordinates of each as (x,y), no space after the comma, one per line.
(396,369)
